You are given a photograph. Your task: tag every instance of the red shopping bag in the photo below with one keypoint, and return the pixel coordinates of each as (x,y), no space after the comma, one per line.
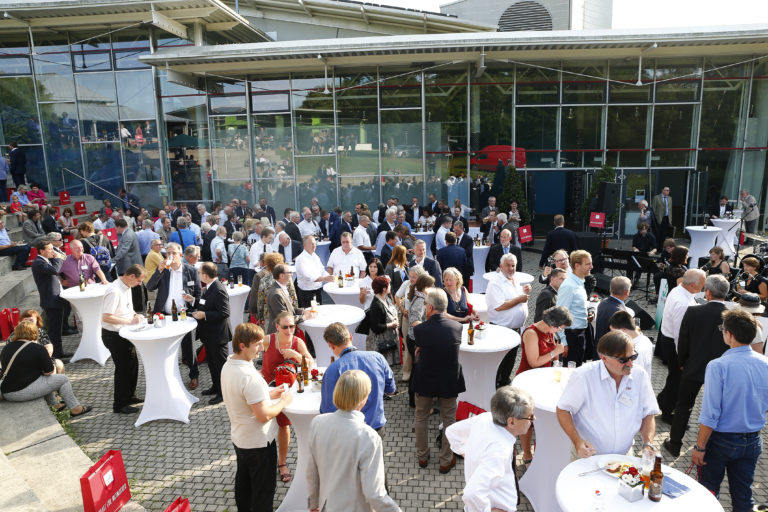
(64,197)
(105,486)
(80,208)
(466,410)
(597,220)
(5,324)
(15,314)
(524,234)
(179,505)
(201,355)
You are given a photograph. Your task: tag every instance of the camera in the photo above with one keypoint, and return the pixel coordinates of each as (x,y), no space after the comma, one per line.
(551,261)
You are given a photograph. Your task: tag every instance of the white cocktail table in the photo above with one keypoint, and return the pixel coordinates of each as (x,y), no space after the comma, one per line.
(87,305)
(479,255)
(237,297)
(427,236)
(166,398)
(304,407)
(727,237)
(702,240)
(479,305)
(349,295)
(323,251)
(327,314)
(480,361)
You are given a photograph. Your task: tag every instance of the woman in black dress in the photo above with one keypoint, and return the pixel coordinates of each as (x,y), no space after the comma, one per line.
(753,282)
(717,263)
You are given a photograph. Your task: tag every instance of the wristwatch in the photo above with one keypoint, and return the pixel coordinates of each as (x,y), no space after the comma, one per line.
(697,448)
(648,445)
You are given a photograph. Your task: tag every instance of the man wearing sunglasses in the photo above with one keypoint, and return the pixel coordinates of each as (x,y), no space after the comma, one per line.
(606,402)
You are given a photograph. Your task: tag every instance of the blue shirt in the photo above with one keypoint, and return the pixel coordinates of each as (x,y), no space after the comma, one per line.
(145,237)
(3,168)
(187,234)
(4,238)
(736,391)
(382,381)
(573,296)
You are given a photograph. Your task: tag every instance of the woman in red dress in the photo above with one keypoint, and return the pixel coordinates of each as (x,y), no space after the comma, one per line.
(540,348)
(279,347)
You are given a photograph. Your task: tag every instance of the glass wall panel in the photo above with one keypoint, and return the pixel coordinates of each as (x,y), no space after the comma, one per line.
(53,67)
(722,104)
(18,111)
(673,129)
(127,49)
(627,127)
(399,90)
(317,178)
(405,187)
(401,140)
(715,166)
(36,171)
(226,98)
(360,189)
(92,54)
(97,106)
(148,193)
(313,116)
(584,82)
(136,95)
(358,124)
(536,133)
(225,190)
(491,111)
(279,193)
(272,145)
(629,91)
(142,159)
(103,167)
(678,79)
(538,86)
(60,132)
(270,96)
(15,65)
(755,175)
(229,142)
(581,136)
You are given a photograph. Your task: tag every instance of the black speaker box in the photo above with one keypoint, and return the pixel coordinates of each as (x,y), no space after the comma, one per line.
(603,284)
(646,320)
(590,242)
(609,197)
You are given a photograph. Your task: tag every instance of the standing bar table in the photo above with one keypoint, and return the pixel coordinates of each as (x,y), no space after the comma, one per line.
(87,305)
(479,255)
(702,240)
(237,297)
(326,315)
(727,237)
(166,398)
(479,305)
(349,295)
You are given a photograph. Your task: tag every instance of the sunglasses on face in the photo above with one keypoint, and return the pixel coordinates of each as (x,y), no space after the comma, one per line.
(624,360)
(291,326)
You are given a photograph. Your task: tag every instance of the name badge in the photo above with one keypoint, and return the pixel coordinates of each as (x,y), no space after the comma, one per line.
(84,267)
(625,399)
(202,302)
(190,283)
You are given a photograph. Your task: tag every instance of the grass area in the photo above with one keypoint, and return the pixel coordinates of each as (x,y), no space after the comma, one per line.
(63,417)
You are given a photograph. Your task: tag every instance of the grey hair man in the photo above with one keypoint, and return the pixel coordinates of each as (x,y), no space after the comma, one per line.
(620,287)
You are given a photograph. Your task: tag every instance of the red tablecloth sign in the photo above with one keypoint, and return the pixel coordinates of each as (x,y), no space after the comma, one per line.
(597,220)
(105,486)
(524,234)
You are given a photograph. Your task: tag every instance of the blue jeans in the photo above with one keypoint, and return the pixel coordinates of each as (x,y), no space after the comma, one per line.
(737,454)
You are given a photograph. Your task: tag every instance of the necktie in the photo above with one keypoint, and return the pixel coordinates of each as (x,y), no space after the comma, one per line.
(506,250)
(666,206)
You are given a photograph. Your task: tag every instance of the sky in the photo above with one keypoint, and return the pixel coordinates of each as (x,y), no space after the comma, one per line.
(655,13)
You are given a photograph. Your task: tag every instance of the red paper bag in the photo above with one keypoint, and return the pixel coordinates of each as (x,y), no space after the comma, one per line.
(597,220)
(105,486)
(64,197)
(15,315)
(524,234)
(5,323)
(80,208)
(179,505)
(466,410)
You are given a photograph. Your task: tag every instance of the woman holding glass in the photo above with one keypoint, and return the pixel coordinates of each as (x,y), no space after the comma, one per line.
(458,307)
(382,320)
(375,269)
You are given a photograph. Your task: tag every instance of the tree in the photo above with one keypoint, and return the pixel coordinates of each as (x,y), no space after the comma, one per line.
(514,189)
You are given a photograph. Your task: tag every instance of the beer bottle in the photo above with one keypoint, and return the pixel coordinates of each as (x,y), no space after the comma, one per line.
(657,481)
(351,272)
(340,280)
(150,316)
(471,333)
(174,311)
(304,371)
(300,385)
(82,282)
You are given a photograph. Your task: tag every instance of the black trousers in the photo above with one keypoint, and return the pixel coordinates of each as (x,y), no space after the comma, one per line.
(662,232)
(410,345)
(126,367)
(686,398)
(189,355)
(20,252)
(55,322)
(305,296)
(507,364)
(581,346)
(667,398)
(255,480)
(18,179)
(215,355)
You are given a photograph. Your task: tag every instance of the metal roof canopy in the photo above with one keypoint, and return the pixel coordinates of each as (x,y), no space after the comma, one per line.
(277,57)
(174,16)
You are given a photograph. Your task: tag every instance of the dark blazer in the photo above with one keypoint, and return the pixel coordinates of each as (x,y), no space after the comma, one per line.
(377,317)
(605,311)
(277,302)
(161,280)
(700,340)
(452,256)
(395,280)
(495,253)
(293,231)
(18,164)
(433,268)
(270,213)
(44,272)
(346,228)
(205,252)
(558,238)
(384,226)
(50,225)
(386,254)
(334,231)
(215,327)
(715,210)
(296,249)
(128,251)
(547,299)
(468,245)
(437,372)
(462,219)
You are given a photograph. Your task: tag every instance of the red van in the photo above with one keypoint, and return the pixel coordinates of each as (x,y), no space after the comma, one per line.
(488,158)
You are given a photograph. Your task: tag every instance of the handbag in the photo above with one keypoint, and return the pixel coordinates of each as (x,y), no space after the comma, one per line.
(286,372)
(365,324)
(4,371)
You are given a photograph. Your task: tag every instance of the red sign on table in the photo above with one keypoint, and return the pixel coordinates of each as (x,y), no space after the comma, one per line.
(105,485)
(597,220)
(524,234)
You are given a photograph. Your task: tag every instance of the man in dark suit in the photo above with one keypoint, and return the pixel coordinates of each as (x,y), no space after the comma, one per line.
(172,283)
(457,216)
(433,203)
(464,241)
(331,228)
(213,329)
(700,342)
(722,209)
(504,246)
(413,210)
(390,239)
(431,266)
(49,221)
(128,251)
(437,374)
(490,208)
(452,255)
(208,237)
(18,164)
(620,287)
(558,238)
(346,223)
(292,227)
(45,271)
(279,301)
(547,297)
(290,249)
(268,210)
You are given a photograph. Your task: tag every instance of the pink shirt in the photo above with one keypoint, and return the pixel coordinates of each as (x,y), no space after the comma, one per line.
(71,268)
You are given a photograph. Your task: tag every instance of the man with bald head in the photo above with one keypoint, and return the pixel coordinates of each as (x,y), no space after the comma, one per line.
(75,264)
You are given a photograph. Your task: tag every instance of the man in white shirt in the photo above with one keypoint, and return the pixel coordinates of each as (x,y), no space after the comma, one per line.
(264,245)
(361,239)
(219,250)
(279,228)
(444,228)
(310,274)
(117,312)
(487,443)
(623,321)
(606,402)
(507,306)
(308,226)
(678,301)
(159,222)
(102,222)
(287,248)
(345,257)
(252,412)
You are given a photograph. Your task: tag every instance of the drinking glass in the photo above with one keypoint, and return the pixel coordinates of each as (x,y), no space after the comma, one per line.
(647,466)
(558,366)
(571,365)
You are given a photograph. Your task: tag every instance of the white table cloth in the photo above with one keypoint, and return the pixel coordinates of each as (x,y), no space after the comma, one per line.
(427,236)
(301,411)
(87,305)
(479,305)
(327,314)
(576,493)
(349,295)
(552,445)
(474,231)
(323,251)
(521,277)
(165,398)
(727,237)
(702,240)
(237,297)
(479,255)
(480,361)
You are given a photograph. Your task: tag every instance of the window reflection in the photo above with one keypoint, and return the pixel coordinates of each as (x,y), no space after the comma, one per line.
(672,130)
(401,151)
(18,111)
(135,94)
(357,120)
(535,132)
(629,91)
(97,106)
(580,136)
(579,86)
(53,68)
(141,154)
(360,189)
(229,140)
(272,146)
(313,116)
(317,178)
(103,167)
(536,86)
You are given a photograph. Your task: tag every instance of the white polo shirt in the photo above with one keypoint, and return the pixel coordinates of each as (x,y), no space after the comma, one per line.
(499,290)
(241,386)
(604,417)
(118,301)
(360,237)
(308,268)
(308,228)
(340,260)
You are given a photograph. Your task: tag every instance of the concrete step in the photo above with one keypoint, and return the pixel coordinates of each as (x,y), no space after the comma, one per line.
(17,287)
(6,264)
(16,495)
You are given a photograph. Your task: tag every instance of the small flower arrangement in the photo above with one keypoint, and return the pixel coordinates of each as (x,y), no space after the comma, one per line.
(315,374)
(631,484)
(480,330)
(159,320)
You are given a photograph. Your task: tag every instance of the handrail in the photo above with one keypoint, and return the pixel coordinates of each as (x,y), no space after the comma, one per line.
(99,187)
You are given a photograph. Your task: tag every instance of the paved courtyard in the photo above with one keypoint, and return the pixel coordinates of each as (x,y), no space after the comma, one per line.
(166,459)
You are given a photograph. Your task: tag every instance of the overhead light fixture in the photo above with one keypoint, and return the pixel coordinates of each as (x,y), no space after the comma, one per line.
(325,68)
(480,66)
(570,113)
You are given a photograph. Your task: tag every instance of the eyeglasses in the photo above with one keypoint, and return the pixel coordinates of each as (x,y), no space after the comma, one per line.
(561,260)
(624,360)
(291,326)
(722,328)
(530,418)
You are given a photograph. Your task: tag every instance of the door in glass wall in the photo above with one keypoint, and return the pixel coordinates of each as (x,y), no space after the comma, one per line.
(556,192)
(685,189)
(635,187)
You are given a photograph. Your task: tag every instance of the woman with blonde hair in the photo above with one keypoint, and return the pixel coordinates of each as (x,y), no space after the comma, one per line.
(397,267)
(458,307)
(33,316)
(347,453)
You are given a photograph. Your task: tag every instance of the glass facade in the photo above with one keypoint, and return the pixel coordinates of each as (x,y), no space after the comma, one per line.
(84,106)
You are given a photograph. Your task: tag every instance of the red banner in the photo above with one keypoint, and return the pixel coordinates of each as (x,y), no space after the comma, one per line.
(80,208)
(524,234)
(597,220)
(105,486)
